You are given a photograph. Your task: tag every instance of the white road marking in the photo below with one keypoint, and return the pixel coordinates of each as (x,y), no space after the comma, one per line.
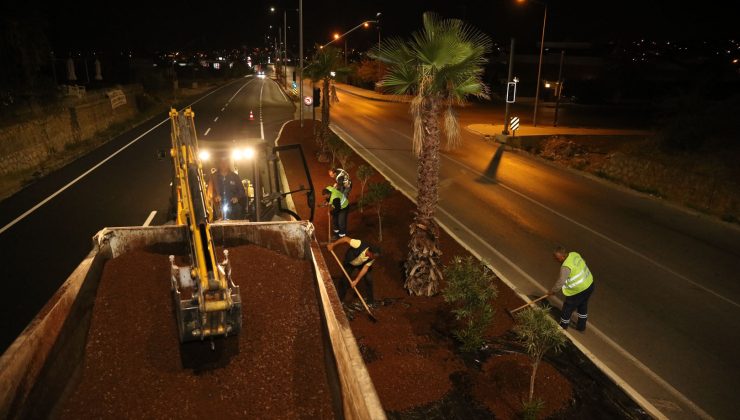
(668,387)
(262,126)
(281,91)
(237,92)
(99,164)
(599,234)
(207,131)
(150,218)
(215,119)
(223,108)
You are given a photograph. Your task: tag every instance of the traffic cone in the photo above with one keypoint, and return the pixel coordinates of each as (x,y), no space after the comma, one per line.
(251,115)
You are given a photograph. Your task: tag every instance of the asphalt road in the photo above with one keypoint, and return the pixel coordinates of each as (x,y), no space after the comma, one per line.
(46,229)
(665,315)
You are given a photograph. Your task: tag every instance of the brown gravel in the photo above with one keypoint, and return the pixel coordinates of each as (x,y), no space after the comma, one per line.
(134,366)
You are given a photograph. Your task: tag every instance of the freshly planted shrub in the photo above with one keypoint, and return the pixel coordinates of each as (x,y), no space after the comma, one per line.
(539,334)
(364,173)
(376,194)
(470,288)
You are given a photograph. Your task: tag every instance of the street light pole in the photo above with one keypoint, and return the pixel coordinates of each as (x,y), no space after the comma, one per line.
(300,52)
(539,68)
(508,80)
(285,47)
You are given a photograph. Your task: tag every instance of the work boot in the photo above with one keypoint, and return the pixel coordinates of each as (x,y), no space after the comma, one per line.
(564,323)
(581,326)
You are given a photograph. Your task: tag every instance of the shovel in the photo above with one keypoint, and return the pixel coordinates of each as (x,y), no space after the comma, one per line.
(511,312)
(369,313)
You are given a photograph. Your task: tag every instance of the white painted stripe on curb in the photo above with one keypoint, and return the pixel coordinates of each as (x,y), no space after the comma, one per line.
(617,379)
(150,218)
(76,180)
(262,126)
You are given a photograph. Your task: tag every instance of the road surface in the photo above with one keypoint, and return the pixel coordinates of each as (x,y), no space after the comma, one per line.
(46,229)
(665,315)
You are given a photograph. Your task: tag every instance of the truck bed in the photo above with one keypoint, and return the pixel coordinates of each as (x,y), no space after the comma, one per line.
(105,346)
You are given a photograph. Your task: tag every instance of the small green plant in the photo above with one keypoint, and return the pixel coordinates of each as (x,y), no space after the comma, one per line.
(344,154)
(364,173)
(333,144)
(538,333)
(470,287)
(376,194)
(531,408)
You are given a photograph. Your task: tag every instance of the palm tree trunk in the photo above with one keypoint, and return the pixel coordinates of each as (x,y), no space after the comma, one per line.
(423,271)
(324,131)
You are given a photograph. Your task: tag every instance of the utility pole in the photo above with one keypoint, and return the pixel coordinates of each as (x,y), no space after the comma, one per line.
(345,51)
(508,80)
(539,68)
(300,52)
(285,47)
(560,89)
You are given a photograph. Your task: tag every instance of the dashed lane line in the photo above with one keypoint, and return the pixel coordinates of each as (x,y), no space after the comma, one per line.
(150,218)
(207,131)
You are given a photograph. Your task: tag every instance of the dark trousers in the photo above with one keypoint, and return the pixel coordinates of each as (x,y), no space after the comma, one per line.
(344,285)
(339,222)
(578,301)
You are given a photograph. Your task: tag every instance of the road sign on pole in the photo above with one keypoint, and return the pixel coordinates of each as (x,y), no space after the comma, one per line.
(511,92)
(307,100)
(514,125)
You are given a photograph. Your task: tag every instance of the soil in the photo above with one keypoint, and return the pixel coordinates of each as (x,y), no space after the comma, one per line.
(135,367)
(410,352)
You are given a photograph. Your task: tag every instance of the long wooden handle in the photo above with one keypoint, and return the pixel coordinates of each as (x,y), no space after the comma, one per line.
(349,279)
(328,225)
(530,303)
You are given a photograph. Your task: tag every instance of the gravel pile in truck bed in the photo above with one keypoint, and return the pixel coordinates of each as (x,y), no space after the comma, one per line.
(134,366)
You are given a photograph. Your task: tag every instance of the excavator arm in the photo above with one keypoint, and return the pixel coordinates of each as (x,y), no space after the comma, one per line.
(213,307)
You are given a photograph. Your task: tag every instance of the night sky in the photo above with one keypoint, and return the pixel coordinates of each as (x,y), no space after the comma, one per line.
(144,27)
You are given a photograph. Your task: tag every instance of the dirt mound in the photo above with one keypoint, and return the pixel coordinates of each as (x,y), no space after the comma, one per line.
(134,366)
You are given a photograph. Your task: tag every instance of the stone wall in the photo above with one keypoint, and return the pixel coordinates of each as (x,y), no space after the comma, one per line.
(25,146)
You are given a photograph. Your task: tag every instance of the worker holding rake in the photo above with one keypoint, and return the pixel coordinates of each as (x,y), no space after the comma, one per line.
(360,256)
(577,284)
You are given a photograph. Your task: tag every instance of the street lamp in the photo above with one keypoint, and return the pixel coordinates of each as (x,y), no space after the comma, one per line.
(364,24)
(539,66)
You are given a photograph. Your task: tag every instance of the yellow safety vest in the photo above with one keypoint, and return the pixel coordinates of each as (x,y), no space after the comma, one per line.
(335,193)
(580,277)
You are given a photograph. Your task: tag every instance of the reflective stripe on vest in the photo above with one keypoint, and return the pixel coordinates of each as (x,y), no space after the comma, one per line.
(335,193)
(580,276)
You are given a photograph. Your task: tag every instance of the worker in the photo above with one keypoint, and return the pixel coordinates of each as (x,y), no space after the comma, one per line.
(340,209)
(227,191)
(577,284)
(341,180)
(360,256)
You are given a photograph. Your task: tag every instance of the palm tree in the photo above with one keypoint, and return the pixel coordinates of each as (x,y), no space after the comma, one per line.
(441,65)
(326,60)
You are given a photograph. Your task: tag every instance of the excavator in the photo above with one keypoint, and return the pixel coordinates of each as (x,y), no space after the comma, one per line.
(206,300)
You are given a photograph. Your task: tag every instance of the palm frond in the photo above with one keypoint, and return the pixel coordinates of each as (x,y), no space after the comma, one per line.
(452,128)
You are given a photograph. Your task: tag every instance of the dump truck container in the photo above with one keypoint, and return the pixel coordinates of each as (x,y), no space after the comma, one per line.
(42,371)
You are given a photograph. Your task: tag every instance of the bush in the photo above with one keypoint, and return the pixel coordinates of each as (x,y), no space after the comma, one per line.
(376,194)
(538,333)
(364,173)
(470,287)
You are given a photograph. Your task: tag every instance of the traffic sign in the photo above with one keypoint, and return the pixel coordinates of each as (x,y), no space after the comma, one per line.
(511,92)
(307,100)
(514,125)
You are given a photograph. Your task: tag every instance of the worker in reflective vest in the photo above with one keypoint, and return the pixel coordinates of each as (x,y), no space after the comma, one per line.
(577,284)
(339,209)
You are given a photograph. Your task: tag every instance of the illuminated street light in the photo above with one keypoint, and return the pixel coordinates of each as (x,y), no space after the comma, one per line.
(336,36)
